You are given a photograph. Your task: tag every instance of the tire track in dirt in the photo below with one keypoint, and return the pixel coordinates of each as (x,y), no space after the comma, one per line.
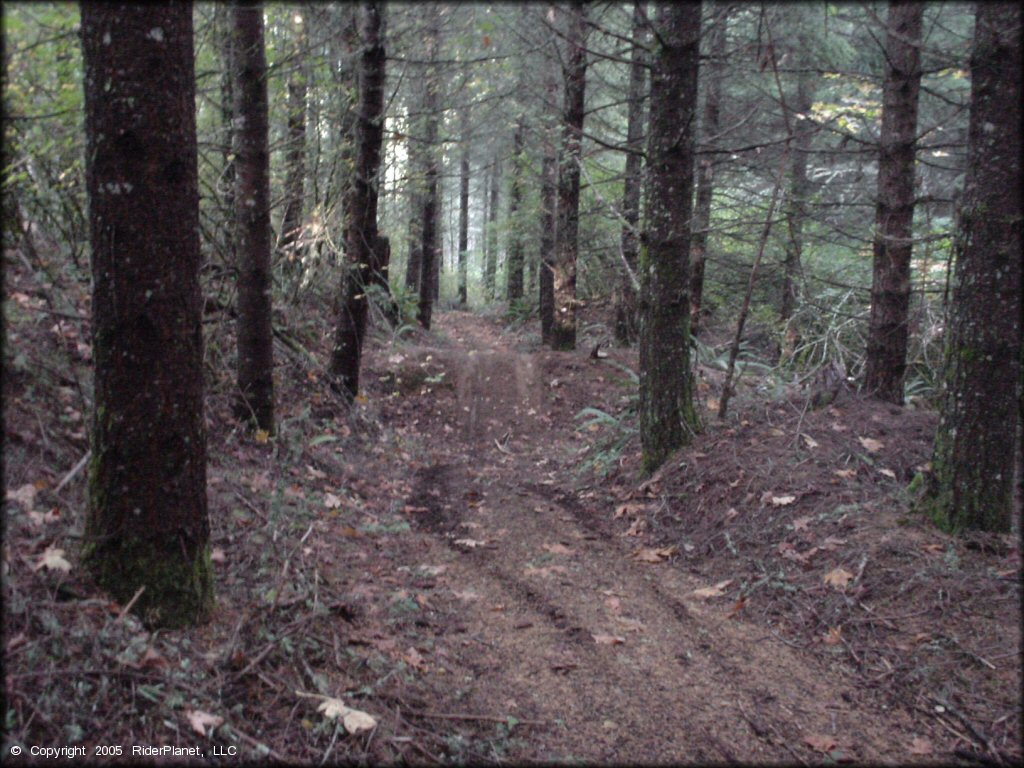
(684,685)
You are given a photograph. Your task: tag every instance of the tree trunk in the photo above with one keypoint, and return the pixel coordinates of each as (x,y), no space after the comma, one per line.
(626,325)
(147,526)
(796,209)
(290,244)
(706,164)
(514,274)
(344,45)
(548,203)
(464,212)
(979,435)
(430,253)
(491,242)
(894,214)
(417,172)
(563,329)
(361,204)
(667,416)
(226,186)
(252,224)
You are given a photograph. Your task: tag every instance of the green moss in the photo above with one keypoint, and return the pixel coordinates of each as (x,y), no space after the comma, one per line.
(917,484)
(178,589)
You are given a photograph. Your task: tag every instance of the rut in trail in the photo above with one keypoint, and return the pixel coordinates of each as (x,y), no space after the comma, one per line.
(610,659)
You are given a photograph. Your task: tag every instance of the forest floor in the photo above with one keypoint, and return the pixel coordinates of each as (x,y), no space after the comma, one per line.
(479,567)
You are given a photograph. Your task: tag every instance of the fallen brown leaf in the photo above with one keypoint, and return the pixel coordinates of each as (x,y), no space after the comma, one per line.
(558,549)
(820,742)
(834,636)
(636,528)
(920,746)
(199,720)
(838,578)
(53,559)
(870,444)
(631,625)
(605,639)
(738,606)
(630,508)
(414,659)
(716,591)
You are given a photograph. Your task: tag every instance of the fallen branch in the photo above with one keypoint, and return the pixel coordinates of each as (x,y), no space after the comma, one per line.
(977,735)
(74,471)
(124,611)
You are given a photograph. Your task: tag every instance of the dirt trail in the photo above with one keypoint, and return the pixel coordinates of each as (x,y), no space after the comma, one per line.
(559,625)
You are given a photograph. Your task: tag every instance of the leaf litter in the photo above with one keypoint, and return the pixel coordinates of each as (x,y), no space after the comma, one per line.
(344,592)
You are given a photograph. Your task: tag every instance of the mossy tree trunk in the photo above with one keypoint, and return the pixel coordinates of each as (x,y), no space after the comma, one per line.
(563,329)
(255,337)
(514,274)
(361,205)
(894,215)
(979,436)
(626,322)
(710,121)
(667,415)
(147,526)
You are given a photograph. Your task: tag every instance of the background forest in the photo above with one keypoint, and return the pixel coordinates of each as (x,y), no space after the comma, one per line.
(663,258)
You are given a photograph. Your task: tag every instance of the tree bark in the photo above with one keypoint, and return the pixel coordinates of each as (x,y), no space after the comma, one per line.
(361,204)
(252,224)
(894,215)
(514,274)
(796,209)
(667,415)
(290,244)
(417,174)
(563,329)
(226,186)
(979,435)
(706,164)
(491,240)
(548,202)
(464,213)
(147,524)
(626,321)
(430,251)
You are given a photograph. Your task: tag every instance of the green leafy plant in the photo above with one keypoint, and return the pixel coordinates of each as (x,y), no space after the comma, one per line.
(618,432)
